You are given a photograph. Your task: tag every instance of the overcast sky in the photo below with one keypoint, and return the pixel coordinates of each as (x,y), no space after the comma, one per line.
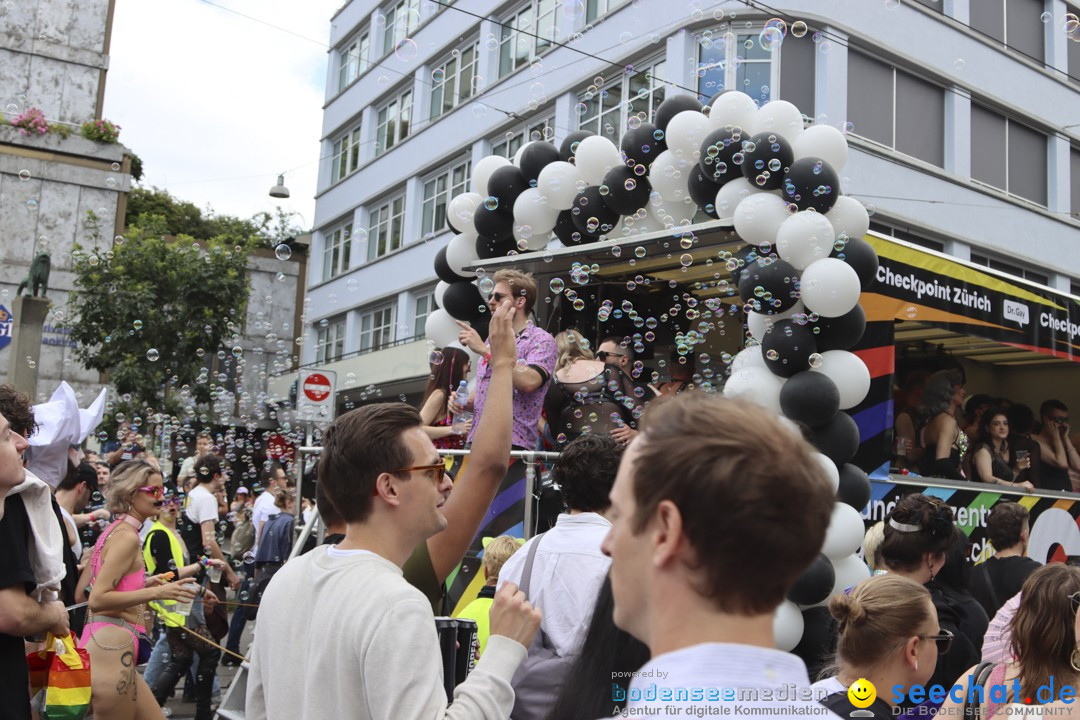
(217,104)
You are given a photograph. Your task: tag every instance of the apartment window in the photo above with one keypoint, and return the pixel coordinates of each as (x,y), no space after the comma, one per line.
(395,119)
(1071,27)
(453,80)
(511,142)
(896,109)
(336,247)
(597,8)
(1014,270)
(1074,181)
(346,155)
(438,191)
(906,235)
(606,110)
(385,234)
(1014,23)
(330,340)
(1008,155)
(353,60)
(402,18)
(377,328)
(731,61)
(518,44)
(422,307)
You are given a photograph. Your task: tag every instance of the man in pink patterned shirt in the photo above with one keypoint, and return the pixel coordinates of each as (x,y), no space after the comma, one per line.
(536,358)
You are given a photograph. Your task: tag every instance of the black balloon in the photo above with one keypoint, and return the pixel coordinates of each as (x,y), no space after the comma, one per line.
(837,439)
(505,184)
(809,397)
(778,281)
(672,106)
(535,157)
(568,149)
(463,301)
(480,325)
(640,144)
(854,487)
(497,225)
(591,215)
(787,347)
(718,156)
(862,258)
(443,271)
(702,191)
(627,191)
(841,333)
(487,247)
(815,584)
(811,184)
(568,233)
(765,159)
(818,642)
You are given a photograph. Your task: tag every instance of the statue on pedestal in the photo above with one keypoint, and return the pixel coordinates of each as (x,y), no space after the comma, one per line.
(37,281)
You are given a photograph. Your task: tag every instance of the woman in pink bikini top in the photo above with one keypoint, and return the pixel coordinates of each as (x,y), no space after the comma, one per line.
(118,589)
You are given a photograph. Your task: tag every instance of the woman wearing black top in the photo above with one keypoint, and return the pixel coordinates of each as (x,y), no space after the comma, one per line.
(943,441)
(992,457)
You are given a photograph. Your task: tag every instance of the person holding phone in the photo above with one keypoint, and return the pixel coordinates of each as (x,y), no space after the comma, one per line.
(1058,454)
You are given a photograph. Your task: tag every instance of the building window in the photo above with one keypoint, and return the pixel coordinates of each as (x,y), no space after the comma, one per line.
(1071,27)
(438,191)
(336,247)
(346,155)
(906,235)
(896,109)
(394,122)
(422,307)
(353,60)
(402,18)
(1014,23)
(330,340)
(508,144)
(607,110)
(453,81)
(1014,270)
(1008,155)
(386,228)
(1074,181)
(518,44)
(732,61)
(598,8)
(377,328)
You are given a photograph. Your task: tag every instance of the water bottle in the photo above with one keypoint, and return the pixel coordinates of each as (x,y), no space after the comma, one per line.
(460,419)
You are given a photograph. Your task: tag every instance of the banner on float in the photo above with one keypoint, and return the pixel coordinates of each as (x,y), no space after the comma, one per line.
(1055,528)
(916,285)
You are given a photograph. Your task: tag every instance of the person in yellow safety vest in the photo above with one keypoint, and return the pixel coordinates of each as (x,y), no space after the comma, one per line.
(496,552)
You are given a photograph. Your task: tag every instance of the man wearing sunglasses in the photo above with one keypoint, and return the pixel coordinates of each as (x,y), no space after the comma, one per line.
(1058,455)
(341,633)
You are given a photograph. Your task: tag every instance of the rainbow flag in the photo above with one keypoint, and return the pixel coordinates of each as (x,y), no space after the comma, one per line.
(60,679)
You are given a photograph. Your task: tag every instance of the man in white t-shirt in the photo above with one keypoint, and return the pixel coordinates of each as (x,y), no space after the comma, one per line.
(276,481)
(716,511)
(341,633)
(202,511)
(203,445)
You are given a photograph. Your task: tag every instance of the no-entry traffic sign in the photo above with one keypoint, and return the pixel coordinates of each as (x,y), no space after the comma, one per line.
(316,397)
(317,387)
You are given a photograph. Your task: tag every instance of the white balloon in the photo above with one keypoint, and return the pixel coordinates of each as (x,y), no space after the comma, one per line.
(595,156)
(829,470)
(461,252)
(759,323)
(822,141)
(803,238)
(830,287)
(757,385)
(538,242)
(788,626)
(649,223)
(850,374)
(685,133)
(758,218)
(668,176)
(779,116)
(749,357)
(560,182)
(440,328)
(850,571)
(461,209)
(733,109)
(672,214)
(533,210)
(849,217)
(845,533)
(482,173)
(731,194)
(440,290)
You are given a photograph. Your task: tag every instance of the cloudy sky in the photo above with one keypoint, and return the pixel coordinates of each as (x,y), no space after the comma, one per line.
(217,104)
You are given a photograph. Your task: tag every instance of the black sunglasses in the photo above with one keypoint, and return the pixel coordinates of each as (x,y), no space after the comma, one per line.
(944,641)
(604,354)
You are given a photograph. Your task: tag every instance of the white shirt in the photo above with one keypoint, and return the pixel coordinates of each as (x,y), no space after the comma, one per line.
(76,547)
(263,508)
(201,505)
(566,577)
(830,685)
(714,675)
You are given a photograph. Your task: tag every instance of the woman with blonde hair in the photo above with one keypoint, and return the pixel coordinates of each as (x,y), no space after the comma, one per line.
(119,590)
(888,635)
(587,395)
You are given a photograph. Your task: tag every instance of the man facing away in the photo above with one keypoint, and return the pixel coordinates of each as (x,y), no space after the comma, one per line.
(998,578)
(716,511)
(341,633)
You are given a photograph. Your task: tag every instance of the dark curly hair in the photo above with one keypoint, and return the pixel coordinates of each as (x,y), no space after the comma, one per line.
(1006,522)
(15,405)
(586,471)
(905,548)
(207,467)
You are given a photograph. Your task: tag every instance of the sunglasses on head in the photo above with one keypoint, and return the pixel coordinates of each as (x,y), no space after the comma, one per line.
(156,491)
(1075,598)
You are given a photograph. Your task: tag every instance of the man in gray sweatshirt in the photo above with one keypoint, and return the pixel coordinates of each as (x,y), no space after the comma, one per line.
(340,631)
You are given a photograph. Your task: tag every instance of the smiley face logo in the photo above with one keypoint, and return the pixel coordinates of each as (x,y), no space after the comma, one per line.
(862,693)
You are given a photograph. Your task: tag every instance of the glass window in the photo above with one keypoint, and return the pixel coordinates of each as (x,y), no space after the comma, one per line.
(422,307)
(607,110)
(377,328)
(402,18)
(394,121)
(1014,23)
(1011,269)
(353,60)
(1071,27)
(346,155)
(508,144)
(1008,155)
(517,44)
(1074,181)
(336,248)
(386,228)
(730,61)
(330,340)
(797,83)
(454,80)
(597,8)
(438,191)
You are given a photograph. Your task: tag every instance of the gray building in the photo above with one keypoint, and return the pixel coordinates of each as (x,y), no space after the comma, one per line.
(961,116)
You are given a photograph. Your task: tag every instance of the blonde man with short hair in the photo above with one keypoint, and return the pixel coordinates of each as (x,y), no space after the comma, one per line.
(496,552)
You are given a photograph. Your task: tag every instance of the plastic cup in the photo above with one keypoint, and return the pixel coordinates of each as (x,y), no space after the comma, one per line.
(183,608)
(214,573)
(901,447)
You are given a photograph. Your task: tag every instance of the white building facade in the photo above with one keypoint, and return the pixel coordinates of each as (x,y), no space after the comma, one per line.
(963,118)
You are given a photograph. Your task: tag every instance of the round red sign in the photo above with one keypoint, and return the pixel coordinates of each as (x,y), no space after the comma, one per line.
(316,387)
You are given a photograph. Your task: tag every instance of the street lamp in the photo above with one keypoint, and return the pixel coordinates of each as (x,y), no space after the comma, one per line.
(279,190)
